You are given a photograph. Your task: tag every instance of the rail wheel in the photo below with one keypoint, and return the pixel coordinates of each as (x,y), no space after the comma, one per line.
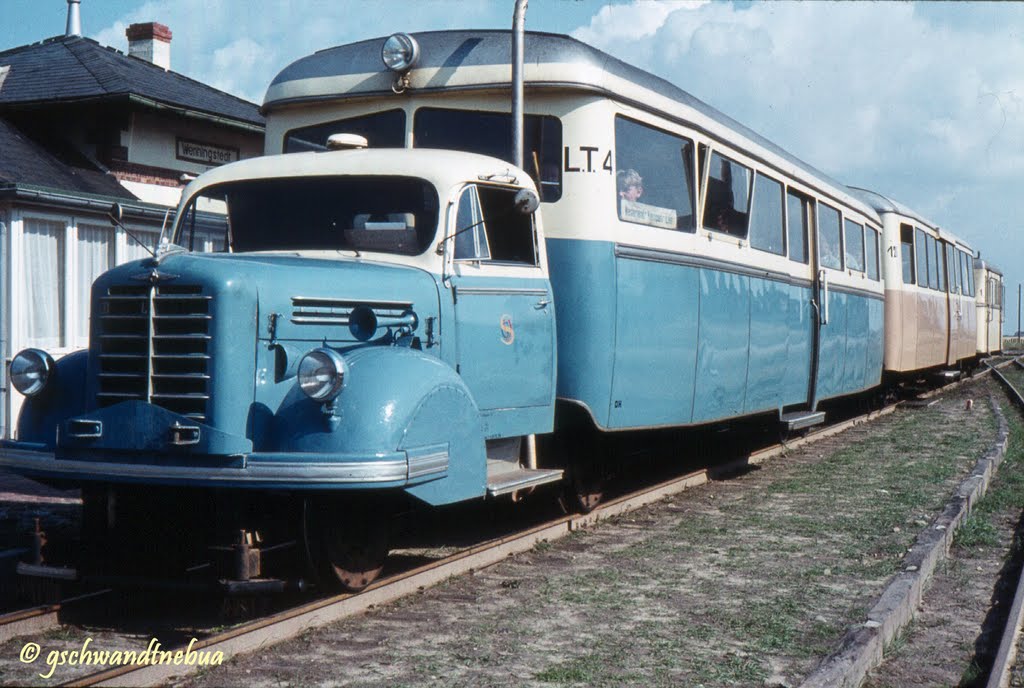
(586,467)
(353,544)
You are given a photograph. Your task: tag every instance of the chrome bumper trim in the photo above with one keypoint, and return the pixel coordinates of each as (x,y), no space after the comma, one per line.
(258,469)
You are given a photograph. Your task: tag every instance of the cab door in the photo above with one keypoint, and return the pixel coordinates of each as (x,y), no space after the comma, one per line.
(504,313)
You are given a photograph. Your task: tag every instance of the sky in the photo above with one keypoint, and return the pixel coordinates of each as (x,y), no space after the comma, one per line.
(920,101)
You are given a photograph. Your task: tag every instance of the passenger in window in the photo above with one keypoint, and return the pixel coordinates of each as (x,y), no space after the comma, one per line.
(631,184)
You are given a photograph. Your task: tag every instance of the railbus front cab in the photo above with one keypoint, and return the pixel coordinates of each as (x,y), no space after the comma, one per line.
(380,323)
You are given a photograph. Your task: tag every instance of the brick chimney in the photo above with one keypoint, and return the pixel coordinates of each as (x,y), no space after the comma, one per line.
(151,42)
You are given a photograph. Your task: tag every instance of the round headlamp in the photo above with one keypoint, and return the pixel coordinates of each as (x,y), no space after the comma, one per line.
(322,374)
(400,52)
(30,371)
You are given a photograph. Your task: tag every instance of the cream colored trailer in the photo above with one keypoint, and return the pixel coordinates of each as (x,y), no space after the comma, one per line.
(930,320)
(990,300)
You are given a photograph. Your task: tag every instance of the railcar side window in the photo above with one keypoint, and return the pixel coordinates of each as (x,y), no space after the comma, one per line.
(766,230)
(490,133)
(381,129)
(727,196)
(933,271)
(488,227)
(965,266)
(872,252)
(941,265)
(970,275)
(654,176)
(922,258)
(854,245)
(951,267)
(829,239)
(907,253)
(798,211)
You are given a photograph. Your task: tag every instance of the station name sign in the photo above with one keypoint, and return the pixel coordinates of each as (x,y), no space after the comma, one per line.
(204,153)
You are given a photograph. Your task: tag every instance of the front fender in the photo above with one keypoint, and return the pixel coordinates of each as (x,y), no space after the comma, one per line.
(63,398)
(396,399)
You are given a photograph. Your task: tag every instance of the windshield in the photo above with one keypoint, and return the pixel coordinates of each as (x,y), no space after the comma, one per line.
(386,214)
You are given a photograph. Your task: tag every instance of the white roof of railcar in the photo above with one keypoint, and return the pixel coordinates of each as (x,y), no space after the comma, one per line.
(883,204)
(479,60)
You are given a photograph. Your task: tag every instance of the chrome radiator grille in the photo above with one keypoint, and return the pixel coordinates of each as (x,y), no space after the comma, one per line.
(154,346)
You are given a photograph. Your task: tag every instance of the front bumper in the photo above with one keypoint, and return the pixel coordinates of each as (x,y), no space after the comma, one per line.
(257,470)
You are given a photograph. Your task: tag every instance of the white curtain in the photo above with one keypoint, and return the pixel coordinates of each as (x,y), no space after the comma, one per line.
(42,267)
(134,250)
(95,256)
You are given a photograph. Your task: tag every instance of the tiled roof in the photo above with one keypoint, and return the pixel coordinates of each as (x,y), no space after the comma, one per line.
(72,68)
(23,162)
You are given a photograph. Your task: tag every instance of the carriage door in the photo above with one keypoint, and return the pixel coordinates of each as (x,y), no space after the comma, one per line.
(830,339)
(804,321)
(504,315)
(954,309)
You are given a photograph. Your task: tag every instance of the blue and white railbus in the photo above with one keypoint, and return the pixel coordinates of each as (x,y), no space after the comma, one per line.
(700,271)
(396,325)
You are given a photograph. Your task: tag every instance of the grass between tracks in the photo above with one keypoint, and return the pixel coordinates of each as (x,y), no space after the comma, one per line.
(762,577)
(956,639)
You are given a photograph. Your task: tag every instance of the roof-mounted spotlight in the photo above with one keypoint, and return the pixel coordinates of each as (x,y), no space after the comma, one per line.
(400,53)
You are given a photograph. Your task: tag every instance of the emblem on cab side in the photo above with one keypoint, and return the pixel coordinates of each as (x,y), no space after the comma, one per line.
(508,333)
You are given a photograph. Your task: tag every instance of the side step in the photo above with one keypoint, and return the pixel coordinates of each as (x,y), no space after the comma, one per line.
(505,477)
(798,420)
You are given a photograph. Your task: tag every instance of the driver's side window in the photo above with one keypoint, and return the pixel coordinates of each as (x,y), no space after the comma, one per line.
(471,234)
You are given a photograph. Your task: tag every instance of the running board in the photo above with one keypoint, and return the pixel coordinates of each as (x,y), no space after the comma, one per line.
(505,477)
(798,420)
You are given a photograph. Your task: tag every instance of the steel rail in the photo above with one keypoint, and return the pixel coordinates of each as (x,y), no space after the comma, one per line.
(39,619)
(1006,656)
(276,628)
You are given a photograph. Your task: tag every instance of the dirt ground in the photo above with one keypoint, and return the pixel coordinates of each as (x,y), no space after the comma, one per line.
(747,581)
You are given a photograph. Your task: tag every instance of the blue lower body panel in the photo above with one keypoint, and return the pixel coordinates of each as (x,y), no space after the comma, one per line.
(653,339)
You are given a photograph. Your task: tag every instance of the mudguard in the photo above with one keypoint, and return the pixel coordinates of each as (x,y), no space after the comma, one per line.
(63,398)
(396,399)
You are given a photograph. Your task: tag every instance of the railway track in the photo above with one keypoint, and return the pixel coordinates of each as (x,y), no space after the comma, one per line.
(1007,655)
(291,622)
(275,628)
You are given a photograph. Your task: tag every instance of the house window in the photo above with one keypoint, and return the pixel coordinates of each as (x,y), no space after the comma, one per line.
(94,255)
(43,268)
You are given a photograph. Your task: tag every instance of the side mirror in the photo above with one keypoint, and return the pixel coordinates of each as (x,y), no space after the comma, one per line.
(116,214)
(527,201)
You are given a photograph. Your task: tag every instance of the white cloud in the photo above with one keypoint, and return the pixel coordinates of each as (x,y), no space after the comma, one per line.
(240,46)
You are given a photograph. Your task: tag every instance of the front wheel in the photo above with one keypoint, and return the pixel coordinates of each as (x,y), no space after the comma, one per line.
(352,542)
